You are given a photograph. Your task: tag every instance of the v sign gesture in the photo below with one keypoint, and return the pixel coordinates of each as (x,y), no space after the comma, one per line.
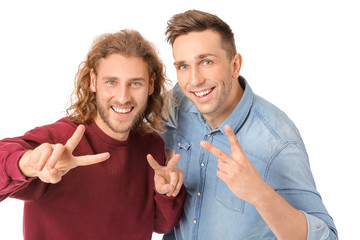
(168,179)
(236,170)
(244,180)
(57,158)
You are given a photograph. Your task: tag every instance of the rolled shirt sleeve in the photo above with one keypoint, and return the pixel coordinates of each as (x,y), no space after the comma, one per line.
(291,177)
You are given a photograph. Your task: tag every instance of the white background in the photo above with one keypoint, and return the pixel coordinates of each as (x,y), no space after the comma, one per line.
(303,56)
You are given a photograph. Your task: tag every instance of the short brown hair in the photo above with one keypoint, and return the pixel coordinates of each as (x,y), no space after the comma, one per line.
(198,21)
(129,43)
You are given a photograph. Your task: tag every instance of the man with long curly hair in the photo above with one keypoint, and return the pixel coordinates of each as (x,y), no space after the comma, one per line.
(120,191)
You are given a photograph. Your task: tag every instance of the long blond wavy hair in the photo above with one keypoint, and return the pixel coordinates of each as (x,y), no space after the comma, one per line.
(129,43)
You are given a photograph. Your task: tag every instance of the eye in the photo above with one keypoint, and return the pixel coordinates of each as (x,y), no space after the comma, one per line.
(207,62)
(182,67)
(135,84)
(110,82)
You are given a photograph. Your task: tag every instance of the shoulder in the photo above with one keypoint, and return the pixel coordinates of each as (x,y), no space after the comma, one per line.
(275,120)
(57,132)
(269,127)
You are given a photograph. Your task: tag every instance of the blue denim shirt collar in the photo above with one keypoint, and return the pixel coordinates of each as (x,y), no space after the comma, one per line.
(236,119)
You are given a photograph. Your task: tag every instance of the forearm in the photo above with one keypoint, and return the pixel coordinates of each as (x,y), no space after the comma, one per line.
(11,178)
(285,221)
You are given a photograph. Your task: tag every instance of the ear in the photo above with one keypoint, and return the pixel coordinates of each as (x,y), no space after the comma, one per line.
(236,63)
(152,84)
(92,80)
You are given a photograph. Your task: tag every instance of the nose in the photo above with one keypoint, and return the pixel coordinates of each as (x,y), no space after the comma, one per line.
(196,78)
(123,94)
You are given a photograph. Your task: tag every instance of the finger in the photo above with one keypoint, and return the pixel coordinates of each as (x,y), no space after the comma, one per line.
(174,160)
(170,154)
(57,151)
(152,162)
(45,153)
(234,141)
(74,140)
(179,184)
(91,159)
(222,176)
(214,150)
(165,189)
(224,166)
(174,178)
(55,176)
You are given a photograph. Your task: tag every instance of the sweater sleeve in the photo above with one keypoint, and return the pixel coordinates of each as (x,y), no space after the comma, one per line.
(168,210)
(11,179)
(12,182)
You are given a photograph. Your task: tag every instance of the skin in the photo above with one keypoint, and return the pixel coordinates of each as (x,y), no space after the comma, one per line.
(122,86)
(203,67)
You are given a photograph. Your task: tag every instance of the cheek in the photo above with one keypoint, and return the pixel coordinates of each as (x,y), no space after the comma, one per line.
(182,85)
(104,95)
(182,80)
(141,96)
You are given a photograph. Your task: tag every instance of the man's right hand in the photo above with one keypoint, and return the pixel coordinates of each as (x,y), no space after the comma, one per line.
(50,162)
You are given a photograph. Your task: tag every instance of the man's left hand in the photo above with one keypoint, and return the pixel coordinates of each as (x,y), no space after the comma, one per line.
(168,179)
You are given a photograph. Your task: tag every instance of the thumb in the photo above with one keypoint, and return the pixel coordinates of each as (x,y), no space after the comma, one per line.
(91,159)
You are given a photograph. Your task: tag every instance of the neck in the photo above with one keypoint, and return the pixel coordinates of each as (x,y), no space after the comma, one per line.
(120,136)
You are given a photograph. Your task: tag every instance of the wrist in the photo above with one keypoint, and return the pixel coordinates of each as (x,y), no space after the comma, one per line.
(24,167)
(263,199)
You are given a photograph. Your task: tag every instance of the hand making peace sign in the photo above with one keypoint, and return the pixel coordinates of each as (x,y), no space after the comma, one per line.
(236,170)
(168,179)
(57,158)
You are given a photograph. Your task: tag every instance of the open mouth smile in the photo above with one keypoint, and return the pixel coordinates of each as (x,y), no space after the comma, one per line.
(122,110)
(204,92)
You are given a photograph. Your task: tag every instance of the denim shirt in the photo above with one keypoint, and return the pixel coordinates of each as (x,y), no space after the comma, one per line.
(270,141)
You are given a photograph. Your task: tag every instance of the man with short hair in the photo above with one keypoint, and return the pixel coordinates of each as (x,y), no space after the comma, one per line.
(86,176)
(246,168)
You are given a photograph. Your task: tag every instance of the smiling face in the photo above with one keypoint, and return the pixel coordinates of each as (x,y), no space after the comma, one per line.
(206,75)
(122,86)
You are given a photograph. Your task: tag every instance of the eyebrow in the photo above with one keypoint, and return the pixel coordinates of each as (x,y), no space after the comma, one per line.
(197,57)
(113,78)
(109,78)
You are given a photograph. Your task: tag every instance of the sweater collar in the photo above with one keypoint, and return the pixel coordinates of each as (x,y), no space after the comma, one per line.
(93,128)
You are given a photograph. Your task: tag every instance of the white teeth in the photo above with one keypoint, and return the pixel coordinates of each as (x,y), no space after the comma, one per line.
(122,110)
(203,93)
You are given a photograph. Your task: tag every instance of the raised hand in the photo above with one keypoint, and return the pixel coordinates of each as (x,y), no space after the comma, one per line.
(168,179)
(236,170)
(57,158)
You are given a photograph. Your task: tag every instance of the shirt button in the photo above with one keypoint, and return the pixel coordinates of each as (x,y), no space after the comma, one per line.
(194,221)
(202,164)
(179,144)
(209,135)
(199,193)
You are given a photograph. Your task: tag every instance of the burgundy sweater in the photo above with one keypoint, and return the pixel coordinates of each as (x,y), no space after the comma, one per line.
(114,199)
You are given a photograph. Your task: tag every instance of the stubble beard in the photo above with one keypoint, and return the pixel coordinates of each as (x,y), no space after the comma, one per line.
(120,125)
